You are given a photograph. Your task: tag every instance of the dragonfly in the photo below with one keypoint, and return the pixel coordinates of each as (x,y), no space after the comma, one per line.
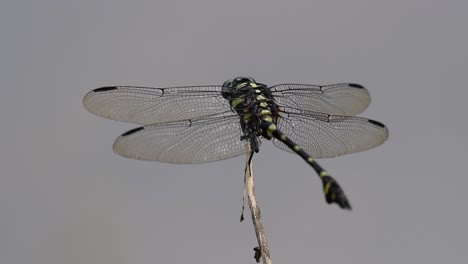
(206,123)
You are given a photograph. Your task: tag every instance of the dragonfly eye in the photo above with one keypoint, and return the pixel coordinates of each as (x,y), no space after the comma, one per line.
(228,83)
(251,80)
(237,81)
(244,79)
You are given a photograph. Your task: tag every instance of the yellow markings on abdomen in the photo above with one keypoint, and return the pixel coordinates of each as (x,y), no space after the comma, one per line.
(271,128)
(296,148)
(324,173)
(326,189)
(265,112)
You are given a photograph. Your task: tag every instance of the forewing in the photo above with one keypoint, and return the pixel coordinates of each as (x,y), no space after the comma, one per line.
(187,141)
(325,136)
(147,105)
(336,99)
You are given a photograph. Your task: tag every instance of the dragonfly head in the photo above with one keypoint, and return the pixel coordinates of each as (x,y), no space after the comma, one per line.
(238,82)
(230,86)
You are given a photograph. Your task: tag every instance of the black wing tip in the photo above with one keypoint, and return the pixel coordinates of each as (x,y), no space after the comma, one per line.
(377,123)
(132,131)
(356,85)
(105,89)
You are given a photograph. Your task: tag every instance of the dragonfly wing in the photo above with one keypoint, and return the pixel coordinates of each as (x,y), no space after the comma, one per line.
(183,142)
(325,136)
(346,99)
(147,105)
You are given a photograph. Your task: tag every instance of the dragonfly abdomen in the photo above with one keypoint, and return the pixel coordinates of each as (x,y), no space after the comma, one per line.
(332,190)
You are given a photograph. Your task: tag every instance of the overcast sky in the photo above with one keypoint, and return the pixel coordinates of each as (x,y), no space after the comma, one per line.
(65,197)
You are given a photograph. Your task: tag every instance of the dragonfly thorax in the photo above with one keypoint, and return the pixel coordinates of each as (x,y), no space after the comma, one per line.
(254,104)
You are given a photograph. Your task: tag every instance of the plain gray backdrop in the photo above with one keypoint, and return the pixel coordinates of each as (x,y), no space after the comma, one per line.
(65,197)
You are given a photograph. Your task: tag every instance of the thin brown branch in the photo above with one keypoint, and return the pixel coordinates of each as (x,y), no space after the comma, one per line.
(262,249)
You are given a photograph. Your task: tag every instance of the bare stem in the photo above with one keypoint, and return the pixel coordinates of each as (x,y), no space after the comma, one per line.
(262,249)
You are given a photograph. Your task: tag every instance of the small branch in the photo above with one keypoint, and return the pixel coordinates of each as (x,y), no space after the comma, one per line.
(262,249)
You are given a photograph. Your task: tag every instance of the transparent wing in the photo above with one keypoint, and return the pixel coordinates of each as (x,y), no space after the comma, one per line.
(187,141)
(336,99)
(147,105)
(325,136)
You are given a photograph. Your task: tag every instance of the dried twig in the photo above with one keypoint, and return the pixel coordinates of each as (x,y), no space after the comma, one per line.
(262,249)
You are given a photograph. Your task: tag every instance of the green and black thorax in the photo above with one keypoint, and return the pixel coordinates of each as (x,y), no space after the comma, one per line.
(254,103)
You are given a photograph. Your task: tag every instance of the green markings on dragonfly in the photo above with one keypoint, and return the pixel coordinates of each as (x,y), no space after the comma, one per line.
(265,112)
(206,123)
(236,102)
(260,98)
(326,188)
(247,117)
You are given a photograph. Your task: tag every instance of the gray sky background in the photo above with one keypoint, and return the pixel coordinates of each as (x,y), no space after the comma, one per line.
(65,197)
